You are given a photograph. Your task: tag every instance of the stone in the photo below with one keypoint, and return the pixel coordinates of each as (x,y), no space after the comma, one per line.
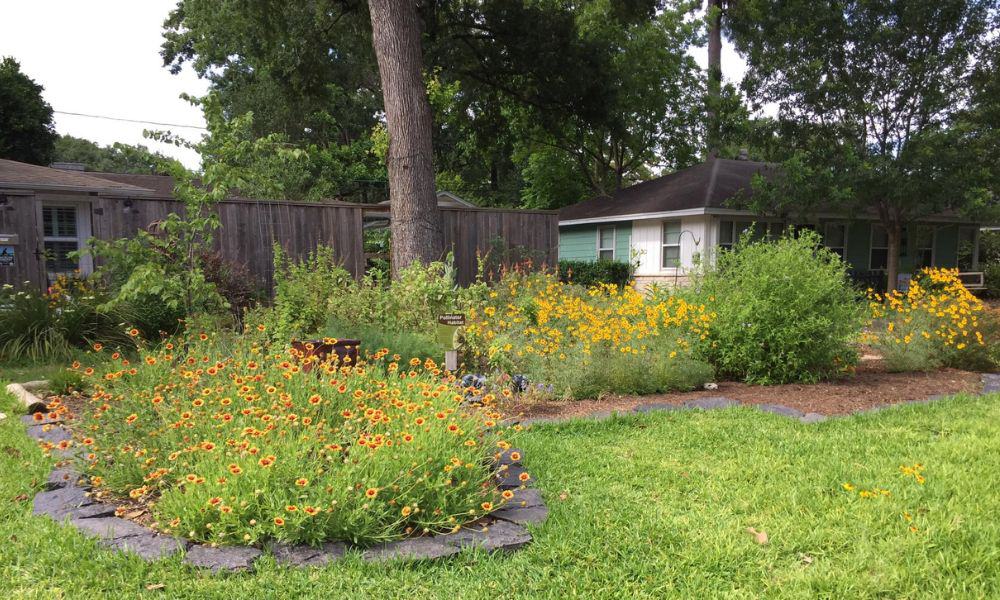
(31,402)
(421,548)
(300,555)
(711,403)
(505,457)
(49,418)
(225,558)
(522,515)
(3,416)
(991,383)
(49,433)
(60,478)
(509,478)
(711,386)
(778,409)
(812,417)
(657,407)
(503,536)
(69,501)
(109,528)
(148,546)
(525,497)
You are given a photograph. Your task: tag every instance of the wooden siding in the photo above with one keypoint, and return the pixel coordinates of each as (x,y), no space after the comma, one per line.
(501,236)
(19,218)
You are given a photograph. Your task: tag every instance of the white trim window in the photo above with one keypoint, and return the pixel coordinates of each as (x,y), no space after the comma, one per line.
(967,250)
(670,245)
(835,239)
(878,249)
(730,231)
(65,229)
(606,238)
(923,246)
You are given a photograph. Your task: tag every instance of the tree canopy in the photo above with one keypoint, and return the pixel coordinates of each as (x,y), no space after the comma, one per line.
(115,158)
(26,130)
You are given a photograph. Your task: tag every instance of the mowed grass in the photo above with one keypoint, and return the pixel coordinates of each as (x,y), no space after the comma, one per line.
(641,507)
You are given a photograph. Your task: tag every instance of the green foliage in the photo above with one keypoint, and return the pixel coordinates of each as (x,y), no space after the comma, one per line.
(116,158)
(303,292)
(589,273)
(921,354)
(57,324)
(27,133)
(785,312)
(375,337)
(66,381)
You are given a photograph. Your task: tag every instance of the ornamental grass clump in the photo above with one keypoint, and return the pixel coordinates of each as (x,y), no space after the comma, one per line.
(935,323)
(251,443)
(588,342)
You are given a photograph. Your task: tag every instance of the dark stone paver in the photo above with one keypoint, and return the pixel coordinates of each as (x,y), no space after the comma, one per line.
(522,515)
(49,433)
(509,478)
(422,548)
(69,501)
(656,407)
(503,536)
(778,409)
(227,558)
(300,555)
(148,546)
(991,383)
(711,403)
(526,497)
(61,477)
(109,528)
(507,457)
(812,417)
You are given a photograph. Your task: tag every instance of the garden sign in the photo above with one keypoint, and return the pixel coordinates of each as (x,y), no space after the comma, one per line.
(448,326)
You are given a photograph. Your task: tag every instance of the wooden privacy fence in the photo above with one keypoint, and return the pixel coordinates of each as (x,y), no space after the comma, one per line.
(250,228)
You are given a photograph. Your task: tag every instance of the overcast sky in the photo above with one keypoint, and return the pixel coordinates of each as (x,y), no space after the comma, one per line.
(101,57)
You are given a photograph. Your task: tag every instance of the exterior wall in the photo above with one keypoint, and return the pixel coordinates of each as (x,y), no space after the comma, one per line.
(647,239)
(579,242)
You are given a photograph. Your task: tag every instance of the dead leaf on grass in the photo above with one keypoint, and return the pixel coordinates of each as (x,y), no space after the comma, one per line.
(12,452)
(20,497)
(156,586)
(759,536)
(806,559)
(563,495)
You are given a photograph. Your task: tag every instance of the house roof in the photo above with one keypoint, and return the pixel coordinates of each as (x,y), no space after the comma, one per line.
(161,185)
(19,175)
(706,185)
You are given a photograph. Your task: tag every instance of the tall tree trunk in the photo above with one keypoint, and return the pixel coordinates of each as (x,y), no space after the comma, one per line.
(714,10)
(894,233)
(415,220)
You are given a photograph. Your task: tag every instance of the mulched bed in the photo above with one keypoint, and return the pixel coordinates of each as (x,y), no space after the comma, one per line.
(871,386)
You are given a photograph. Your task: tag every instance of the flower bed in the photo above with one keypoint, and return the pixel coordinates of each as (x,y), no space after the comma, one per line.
(241,445)
(588,342)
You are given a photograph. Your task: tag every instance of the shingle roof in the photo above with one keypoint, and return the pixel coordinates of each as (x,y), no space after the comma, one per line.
(15,174)
(161,185)
(706,185)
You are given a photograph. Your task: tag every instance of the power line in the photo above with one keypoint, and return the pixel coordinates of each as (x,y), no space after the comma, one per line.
(140,121)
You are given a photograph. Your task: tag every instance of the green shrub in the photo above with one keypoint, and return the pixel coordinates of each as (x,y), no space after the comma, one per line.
(303,292)
(589,273)
(66,381)
(784,311)
(407,344)
(610,372)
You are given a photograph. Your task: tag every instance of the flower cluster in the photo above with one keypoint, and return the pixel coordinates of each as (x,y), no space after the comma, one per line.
(937,316)
(538,315)
(243,444)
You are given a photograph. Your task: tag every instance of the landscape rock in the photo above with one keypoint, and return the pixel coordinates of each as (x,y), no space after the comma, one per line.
(711,403)
(778,409)
(522,515)
(109,528)
(148,546)
(47,418)
(422,548)
(509,477)
(503,536)
(991,383)
(812,417)
(21,391)
(61,477)
(657,406)
(301,555)
(69,501)
(49,433)
(525,497)
(505,457)
(227,558)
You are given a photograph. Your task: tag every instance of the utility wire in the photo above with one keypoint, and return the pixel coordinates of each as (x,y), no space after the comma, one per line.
(76,114)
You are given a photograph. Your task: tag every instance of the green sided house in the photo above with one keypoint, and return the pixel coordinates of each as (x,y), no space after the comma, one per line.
(667,226)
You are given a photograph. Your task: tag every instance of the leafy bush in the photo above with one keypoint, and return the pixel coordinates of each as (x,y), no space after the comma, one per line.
(590,273)
(241,445)
(406,344)
(56,324)
(784,311)
(303,292)
(66,381)
(586,343)
(935,323)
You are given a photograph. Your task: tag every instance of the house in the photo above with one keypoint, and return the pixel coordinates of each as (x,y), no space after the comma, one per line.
(669,225)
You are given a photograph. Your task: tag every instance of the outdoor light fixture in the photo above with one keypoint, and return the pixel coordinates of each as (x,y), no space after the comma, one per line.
(128,205)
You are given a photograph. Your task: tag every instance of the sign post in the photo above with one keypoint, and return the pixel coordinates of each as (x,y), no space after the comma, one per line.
(447,330)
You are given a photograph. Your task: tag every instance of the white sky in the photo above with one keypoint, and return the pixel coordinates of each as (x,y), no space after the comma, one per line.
(101,57)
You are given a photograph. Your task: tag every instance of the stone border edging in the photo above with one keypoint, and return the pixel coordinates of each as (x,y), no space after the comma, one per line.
(66,498)
(991,384)
(22,391)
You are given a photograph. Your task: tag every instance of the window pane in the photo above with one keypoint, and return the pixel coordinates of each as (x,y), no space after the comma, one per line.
(56,259)
(59,221)
(606,255)
(839,252)
(607,237)
(835,235)
(725,233)
(671,256)
(880,259)
(672,232)
(880,239)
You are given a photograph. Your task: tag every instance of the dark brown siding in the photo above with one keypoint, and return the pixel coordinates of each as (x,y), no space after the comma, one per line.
(18,218)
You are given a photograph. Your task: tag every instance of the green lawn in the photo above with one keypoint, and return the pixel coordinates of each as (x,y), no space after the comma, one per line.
(653,506)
